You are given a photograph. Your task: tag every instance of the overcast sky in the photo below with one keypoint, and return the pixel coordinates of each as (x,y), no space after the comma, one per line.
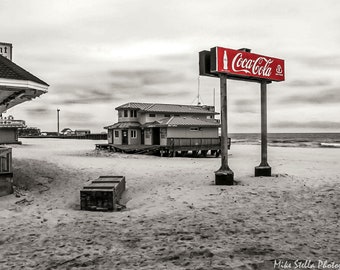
(97,55)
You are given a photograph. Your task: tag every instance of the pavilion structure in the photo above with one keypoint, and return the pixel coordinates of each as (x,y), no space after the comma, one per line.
(17,85)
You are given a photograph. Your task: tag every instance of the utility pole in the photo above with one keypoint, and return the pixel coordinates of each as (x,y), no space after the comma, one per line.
(58,110)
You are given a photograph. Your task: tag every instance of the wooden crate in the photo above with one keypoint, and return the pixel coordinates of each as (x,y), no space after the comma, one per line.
(102,194)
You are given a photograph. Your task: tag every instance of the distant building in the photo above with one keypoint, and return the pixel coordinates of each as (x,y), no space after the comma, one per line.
(9,130)
(67,132)
(163,124)
(82,132)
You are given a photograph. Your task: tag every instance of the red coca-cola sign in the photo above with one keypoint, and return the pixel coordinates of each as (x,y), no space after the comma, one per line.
(239,63)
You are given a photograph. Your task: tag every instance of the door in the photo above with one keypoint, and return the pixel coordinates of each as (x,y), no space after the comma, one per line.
(142,137)
(156,140)
(125,136)
(110,136)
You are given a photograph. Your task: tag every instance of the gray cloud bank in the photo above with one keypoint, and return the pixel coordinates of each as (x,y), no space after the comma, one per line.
(99,54)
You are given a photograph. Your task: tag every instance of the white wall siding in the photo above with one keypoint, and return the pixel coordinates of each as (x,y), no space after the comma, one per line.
(185,132)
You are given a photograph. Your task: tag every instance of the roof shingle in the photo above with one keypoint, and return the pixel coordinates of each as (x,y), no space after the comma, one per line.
(124,125)
(183,121)
(167,108)
(10,70)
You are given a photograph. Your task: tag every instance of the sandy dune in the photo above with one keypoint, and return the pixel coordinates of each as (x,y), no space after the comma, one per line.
(175,217)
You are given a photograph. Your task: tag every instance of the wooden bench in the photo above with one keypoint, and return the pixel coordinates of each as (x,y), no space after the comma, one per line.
(102,194)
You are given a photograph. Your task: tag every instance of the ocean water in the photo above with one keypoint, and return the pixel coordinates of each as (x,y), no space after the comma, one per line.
(329,140)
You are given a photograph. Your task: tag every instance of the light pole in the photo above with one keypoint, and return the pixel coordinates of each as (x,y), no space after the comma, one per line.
(58,110)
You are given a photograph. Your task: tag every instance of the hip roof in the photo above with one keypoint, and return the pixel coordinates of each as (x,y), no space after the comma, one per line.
(177,121)
(167,108)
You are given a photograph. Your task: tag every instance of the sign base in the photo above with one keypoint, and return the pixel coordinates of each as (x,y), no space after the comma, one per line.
(263,171)
(224,177)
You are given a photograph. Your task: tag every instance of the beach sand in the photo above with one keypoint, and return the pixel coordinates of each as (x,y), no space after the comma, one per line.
(175,217)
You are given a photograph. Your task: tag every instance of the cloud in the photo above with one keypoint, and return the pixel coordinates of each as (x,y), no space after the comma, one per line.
(245,106)
(321,62)
(98,55)
(118,86)
(323,125)
(307,82)
(249,126)
(329,96)
(38,111)
(79,116)
(80,94)
(148,77)
(78,119)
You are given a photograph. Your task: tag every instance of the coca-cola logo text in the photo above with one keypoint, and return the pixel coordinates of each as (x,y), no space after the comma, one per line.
(245,65)
(260,66)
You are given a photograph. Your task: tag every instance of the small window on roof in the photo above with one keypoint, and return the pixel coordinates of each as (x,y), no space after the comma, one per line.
(126,113)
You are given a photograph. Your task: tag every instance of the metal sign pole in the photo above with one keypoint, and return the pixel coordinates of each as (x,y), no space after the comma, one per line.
(263,169)
(224,176)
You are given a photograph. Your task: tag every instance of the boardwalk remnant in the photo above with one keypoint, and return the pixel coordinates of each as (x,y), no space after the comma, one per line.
(103,194)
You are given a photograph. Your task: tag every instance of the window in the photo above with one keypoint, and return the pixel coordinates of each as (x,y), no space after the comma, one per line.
(167,115)
(195,129)
(116,133)
(133,113)
(120,114)
(133,133)
(126,113)
(152,115)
